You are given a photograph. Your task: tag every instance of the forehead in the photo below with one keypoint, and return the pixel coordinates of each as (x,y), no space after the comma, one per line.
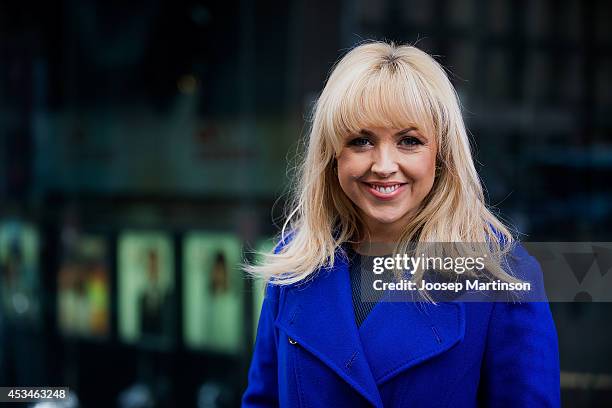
(392,102)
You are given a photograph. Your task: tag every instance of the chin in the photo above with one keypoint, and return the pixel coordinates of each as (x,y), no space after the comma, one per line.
(389,216)
(386,219)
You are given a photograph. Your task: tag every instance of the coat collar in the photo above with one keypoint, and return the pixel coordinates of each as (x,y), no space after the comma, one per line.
(394,337)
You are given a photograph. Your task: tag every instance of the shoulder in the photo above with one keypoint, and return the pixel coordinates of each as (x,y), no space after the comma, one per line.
(523,266)
(284,240)
(322,277)
(274,292)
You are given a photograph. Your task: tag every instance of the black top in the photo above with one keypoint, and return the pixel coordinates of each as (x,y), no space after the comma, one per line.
(362,292)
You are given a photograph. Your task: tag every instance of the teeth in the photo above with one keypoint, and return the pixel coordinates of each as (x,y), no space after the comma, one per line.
(386,190)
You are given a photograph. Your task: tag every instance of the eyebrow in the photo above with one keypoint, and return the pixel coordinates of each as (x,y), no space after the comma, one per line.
(400,133)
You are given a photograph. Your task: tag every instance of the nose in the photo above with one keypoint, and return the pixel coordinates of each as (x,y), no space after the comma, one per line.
(385,163)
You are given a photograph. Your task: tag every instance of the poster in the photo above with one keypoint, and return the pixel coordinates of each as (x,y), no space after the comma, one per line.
(146,288)
(19,272)
(213,292)
(83,298)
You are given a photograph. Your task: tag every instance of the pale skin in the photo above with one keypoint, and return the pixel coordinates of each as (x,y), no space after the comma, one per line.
(386,173)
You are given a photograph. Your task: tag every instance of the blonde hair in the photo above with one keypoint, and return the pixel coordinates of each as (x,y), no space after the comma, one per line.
(383,85)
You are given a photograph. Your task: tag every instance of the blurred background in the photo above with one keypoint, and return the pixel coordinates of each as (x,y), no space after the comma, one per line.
(144,150)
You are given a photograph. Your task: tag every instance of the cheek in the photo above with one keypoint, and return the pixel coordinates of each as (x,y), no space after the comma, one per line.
(349,170)
(422,173)
(345,178)
(421,170)
(429,175)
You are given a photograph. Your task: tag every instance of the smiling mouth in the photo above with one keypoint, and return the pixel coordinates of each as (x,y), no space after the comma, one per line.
(384,192)
(385,189)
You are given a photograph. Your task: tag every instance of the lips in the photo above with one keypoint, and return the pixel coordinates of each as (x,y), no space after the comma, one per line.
(385,191)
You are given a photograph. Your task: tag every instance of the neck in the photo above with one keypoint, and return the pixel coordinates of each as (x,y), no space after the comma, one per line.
(379,239)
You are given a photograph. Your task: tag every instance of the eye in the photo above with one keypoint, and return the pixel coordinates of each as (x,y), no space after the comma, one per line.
(410,141)
(360,142)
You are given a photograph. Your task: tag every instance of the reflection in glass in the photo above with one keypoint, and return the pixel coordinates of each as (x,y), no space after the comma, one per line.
(213,292)
(146,287)
(19,275)
(83,287)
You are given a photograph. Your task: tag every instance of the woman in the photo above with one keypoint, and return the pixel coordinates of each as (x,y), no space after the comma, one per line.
(388,160)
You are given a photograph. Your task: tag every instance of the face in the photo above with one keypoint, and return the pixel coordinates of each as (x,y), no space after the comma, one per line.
(387,173)
(219,277)
(152,270)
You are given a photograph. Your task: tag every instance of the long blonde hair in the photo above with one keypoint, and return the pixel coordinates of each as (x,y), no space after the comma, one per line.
(383,85)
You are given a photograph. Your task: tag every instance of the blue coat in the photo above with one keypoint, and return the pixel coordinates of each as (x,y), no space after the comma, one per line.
(309,351)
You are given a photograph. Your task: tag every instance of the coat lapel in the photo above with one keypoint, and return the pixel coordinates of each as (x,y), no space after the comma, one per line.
(319,316)
(398,335)
(395,336)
